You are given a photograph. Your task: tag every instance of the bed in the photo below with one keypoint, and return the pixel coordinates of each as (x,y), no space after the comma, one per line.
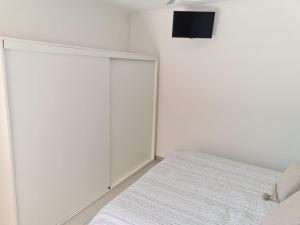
(190,188)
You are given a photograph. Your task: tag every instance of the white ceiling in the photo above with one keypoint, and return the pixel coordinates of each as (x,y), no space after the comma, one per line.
(140,4)
(156,4)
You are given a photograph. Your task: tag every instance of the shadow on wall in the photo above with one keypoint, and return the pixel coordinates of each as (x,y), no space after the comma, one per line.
(138,39)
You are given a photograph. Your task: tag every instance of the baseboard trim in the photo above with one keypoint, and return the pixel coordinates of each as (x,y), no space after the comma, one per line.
(77,212)
(129,174)
(159,158)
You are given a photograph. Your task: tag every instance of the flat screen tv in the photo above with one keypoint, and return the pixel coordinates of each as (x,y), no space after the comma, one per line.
(187,24)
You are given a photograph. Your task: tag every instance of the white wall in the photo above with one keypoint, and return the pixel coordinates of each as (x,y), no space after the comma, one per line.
(236,95)
(91,23)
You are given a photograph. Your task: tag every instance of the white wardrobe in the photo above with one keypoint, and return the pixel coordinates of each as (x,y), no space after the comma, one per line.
(75,123)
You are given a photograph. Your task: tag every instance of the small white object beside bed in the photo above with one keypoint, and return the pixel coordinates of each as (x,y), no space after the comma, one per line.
(192,188)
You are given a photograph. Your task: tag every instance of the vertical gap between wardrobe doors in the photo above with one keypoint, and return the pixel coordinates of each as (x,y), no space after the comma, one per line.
(155,108)
(110,122)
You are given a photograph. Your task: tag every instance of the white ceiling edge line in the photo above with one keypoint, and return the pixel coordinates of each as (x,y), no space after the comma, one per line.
(191,2)
(55,48)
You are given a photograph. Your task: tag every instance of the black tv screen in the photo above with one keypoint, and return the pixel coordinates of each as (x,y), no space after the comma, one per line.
(187,24)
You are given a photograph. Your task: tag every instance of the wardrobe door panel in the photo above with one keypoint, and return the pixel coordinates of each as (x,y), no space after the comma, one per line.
(59,112)
(132,101)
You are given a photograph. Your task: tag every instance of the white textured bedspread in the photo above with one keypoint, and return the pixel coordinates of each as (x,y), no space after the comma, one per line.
(191,188)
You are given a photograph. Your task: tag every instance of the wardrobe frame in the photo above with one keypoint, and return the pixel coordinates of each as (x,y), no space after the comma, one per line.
(53,48)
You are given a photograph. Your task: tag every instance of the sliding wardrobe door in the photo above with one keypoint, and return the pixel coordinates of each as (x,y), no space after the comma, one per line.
(59,113)
(132,112)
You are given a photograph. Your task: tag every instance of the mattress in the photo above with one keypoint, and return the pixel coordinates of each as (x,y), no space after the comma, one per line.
(190,188)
